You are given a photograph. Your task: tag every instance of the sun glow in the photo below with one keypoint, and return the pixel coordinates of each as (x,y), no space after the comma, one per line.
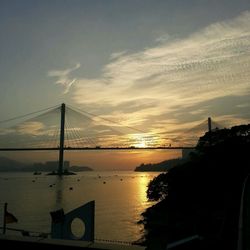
(142,144)
(138,141)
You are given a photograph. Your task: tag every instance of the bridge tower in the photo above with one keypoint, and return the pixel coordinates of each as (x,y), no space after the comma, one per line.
(61,148)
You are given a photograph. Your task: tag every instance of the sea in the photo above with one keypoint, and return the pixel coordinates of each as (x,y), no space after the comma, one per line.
(120,198)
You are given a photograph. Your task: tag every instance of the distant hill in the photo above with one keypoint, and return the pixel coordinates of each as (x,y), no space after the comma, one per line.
(160,167)
(45,168)
(8,165)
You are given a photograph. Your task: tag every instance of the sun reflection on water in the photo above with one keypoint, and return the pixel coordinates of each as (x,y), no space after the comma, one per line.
(142,184)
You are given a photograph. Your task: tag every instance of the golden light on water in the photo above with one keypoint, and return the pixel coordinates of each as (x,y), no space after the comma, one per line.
(142,186)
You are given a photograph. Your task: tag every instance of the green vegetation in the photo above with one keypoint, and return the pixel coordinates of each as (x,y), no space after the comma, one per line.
(201,196)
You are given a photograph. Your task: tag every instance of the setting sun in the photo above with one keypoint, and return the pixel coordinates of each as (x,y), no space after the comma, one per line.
(139,141)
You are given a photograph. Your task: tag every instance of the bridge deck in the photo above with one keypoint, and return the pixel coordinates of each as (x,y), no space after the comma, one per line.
(96,148)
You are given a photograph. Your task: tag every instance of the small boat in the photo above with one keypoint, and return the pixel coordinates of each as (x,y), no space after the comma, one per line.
(37,173)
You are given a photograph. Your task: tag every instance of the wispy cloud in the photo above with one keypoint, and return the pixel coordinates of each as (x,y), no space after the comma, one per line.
(243,105)
(64,77)
(163,38)
(31,128)
(209,64)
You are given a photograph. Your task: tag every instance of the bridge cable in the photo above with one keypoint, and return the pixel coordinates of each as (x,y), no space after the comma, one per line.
(22,116)
(105,119)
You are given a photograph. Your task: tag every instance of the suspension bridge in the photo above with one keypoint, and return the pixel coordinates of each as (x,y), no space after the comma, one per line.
(62,128)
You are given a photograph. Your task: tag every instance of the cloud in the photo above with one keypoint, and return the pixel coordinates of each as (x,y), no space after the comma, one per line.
(31,128)
(6,131)
(64,78)
(209,64)
(30,133)
(117,54)
(163,38)
(243,105)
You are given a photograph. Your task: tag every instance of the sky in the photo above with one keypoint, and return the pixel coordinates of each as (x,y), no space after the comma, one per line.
(161,66)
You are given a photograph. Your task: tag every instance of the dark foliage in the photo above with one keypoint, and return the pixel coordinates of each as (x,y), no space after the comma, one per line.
(202,196)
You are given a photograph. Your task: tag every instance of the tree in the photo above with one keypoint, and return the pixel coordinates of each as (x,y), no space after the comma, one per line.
(201,196)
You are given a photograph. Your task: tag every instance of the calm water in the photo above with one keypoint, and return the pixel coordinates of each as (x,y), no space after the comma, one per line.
(119,202)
